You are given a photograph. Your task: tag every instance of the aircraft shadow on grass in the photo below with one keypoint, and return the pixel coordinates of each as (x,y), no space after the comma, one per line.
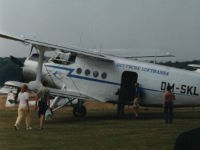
(127,116)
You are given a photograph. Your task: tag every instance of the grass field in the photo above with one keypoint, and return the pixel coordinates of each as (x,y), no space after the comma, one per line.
(99,130)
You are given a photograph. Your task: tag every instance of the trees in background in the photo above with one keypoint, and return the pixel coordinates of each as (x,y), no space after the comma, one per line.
(9,70)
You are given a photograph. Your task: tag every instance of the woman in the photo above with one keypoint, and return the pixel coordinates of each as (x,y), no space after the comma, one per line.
(23,108)
(43,103)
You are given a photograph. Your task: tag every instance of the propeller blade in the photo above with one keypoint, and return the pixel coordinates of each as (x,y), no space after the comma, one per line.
(16,61)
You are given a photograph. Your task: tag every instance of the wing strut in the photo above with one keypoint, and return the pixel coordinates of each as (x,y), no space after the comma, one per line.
(40,64)
(37,83)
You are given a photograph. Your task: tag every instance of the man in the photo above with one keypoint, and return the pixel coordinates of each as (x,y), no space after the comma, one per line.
(136,99)
(120,104)
(168,105)
(23,109)
(43,102)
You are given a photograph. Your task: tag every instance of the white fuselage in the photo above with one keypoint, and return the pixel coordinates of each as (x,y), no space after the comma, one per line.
(85,76)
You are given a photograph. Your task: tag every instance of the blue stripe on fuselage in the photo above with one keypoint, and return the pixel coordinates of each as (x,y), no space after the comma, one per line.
(70,70)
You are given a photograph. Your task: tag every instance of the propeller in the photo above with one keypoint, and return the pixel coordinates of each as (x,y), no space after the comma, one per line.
(16,61)
(19,68)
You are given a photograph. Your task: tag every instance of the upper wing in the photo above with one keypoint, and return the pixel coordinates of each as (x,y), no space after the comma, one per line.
(76,50)
(49,46)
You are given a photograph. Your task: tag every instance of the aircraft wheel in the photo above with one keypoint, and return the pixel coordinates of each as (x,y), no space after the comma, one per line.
(79,112)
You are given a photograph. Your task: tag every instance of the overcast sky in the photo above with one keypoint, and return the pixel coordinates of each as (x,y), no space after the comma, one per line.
(167,25)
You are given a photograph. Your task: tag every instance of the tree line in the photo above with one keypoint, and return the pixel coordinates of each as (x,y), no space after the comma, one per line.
(9,71)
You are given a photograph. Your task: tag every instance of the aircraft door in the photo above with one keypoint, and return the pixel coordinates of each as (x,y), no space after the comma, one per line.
(127,89)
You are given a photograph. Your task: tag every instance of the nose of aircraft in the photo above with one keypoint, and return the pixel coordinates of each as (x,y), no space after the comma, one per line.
(29,69)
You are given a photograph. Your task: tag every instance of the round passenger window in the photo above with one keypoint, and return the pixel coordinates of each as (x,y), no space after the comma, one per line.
(103,75)
(87,72)
(95,74)
(79,70)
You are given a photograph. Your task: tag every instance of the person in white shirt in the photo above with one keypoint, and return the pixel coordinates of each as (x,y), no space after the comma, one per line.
(23,108)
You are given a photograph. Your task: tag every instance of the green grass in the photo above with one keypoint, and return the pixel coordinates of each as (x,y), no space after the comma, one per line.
(99,130)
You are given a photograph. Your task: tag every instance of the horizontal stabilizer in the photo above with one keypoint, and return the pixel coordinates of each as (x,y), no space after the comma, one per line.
(194,65)
(197,66)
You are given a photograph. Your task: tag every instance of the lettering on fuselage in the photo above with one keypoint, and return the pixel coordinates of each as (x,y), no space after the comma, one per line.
(182,89)
(144,69)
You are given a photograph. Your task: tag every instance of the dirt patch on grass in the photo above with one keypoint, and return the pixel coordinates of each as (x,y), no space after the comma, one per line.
(98,105)
(2,101)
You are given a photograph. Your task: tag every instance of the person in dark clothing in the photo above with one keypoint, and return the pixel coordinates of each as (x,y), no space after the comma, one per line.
(188,140)
(43,102)
(120,103)
(168,105)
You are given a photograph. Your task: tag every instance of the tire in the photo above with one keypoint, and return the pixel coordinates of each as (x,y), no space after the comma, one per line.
(79,112)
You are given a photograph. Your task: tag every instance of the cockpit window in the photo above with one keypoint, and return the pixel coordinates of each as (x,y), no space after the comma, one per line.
(35,57)
(64,58)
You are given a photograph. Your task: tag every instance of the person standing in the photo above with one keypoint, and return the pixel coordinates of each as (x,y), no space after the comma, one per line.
(43,103)
(136,100)
(168,105)
(23,108)
(122,98)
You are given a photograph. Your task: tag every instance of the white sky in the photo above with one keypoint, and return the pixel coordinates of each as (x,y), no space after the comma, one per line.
(167,25)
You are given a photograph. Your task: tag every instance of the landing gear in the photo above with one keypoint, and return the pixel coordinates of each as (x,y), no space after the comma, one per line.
(79,110)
